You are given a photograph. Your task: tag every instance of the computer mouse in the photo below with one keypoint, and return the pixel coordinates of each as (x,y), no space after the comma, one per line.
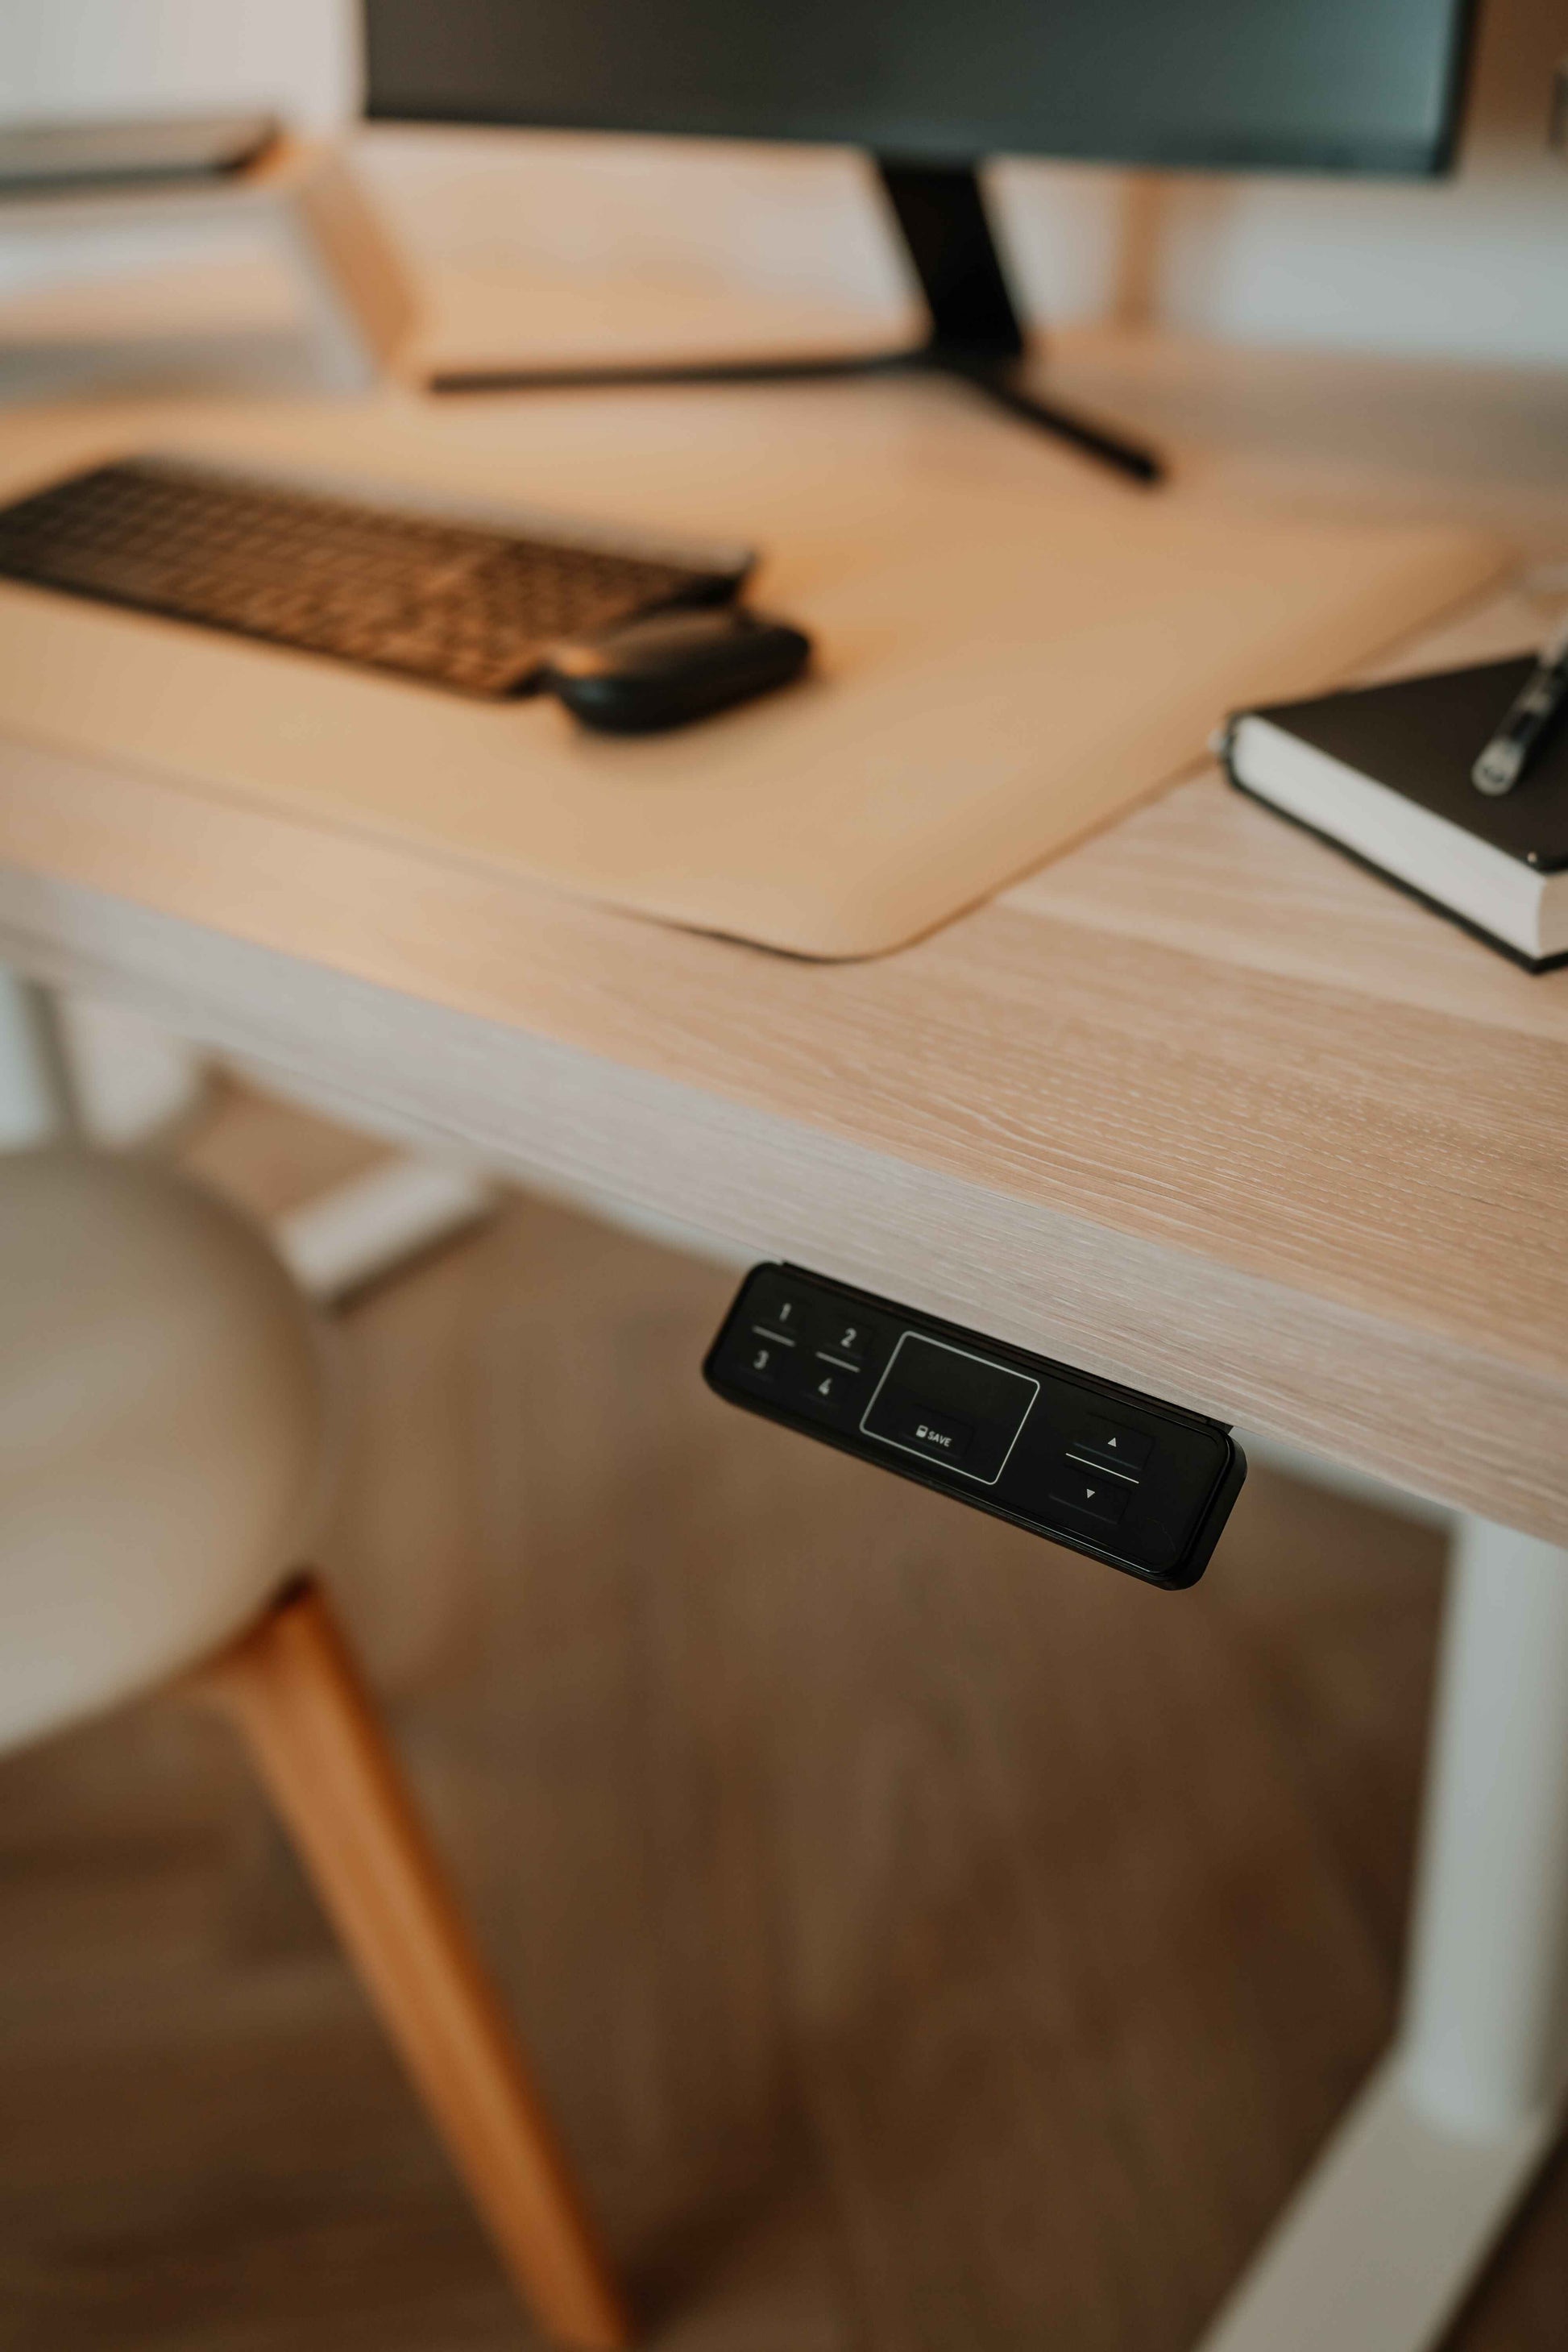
(669,668)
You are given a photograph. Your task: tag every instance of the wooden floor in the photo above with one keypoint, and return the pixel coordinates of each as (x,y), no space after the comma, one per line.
(932,1942)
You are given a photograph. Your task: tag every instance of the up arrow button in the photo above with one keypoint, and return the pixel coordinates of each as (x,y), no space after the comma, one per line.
(1120,1448)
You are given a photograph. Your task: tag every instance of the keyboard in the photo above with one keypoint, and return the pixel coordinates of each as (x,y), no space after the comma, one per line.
(475,606)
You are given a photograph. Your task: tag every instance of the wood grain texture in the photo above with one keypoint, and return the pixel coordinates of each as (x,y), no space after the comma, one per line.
(292,1689)
(1200,1104)
(1015,1206)
(1008,654)
(925,1937)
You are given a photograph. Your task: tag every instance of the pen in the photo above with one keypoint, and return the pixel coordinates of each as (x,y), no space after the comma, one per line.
(1544,691)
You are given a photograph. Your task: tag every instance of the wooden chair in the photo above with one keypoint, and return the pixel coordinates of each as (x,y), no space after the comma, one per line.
(164,1443)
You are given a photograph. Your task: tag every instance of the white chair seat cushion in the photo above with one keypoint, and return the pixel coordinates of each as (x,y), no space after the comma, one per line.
(161,1430)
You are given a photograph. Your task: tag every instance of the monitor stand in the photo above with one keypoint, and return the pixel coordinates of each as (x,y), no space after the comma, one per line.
(976,333)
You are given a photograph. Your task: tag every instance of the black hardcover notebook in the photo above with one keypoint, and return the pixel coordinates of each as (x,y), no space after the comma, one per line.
(1384,772)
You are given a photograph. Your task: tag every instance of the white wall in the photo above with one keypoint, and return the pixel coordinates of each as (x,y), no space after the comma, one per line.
(128,56)
(107,57)
(1477,263)
(1476,266)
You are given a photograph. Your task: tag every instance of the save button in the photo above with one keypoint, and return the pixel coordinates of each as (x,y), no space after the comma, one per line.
(927,1428)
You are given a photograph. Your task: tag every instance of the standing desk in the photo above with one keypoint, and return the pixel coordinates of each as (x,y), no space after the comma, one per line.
(1200,1105)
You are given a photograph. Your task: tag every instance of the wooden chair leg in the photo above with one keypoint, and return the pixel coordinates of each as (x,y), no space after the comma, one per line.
(292,1688)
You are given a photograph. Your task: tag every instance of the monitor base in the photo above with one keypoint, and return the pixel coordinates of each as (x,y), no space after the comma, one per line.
(976,333)
(994,379)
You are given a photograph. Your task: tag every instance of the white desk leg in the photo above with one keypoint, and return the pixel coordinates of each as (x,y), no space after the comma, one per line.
(37,1099)
(369,1226)
(352,1234)
(358,1232)
(1379,2245)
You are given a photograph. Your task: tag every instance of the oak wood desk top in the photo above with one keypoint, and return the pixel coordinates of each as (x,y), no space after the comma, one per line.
(1200,1105)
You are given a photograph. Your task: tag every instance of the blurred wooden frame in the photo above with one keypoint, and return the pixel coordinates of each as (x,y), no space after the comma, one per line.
(358,298)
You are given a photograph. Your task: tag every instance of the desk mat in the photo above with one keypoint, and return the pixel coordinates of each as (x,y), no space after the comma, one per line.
(1012,649)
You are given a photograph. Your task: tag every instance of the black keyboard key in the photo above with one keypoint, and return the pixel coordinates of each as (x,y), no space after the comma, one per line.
(455,604)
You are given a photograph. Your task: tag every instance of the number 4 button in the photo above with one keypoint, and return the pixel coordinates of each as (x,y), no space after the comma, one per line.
(831,1385)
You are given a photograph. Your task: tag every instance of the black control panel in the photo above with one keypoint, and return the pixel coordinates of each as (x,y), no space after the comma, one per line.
(1142,1485)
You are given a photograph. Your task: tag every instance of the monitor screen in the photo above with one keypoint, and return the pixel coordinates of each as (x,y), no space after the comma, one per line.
(1317,85)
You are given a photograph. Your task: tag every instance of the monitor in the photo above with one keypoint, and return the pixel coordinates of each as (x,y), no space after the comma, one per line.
(1293,85)
(931,87)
